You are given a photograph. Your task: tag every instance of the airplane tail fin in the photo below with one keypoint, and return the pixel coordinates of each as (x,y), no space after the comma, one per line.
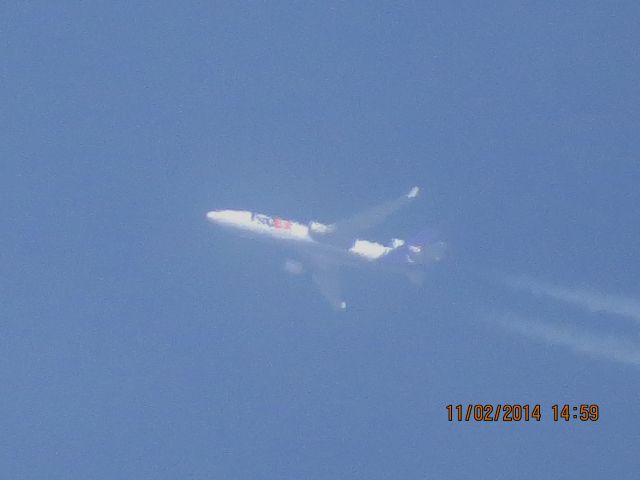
(422,249)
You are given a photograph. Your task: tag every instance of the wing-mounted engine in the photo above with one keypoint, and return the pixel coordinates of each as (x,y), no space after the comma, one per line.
(317,229)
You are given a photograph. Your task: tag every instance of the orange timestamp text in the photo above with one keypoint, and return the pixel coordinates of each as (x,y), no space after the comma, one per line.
(521,412)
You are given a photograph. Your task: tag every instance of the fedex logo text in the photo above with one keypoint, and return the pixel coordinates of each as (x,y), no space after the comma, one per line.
(272,222)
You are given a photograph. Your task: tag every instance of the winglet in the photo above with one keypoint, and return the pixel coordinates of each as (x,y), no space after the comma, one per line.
(413,193)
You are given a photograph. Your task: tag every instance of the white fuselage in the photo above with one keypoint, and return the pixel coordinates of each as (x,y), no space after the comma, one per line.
(288,230)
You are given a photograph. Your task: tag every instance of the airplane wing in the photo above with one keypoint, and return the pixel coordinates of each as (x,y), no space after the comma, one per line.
(326,279)
(350,228)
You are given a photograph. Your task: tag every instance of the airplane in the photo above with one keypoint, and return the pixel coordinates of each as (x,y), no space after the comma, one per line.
(326,248)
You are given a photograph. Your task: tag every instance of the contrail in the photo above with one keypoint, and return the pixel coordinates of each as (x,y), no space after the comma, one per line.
(589,299)
(610,347)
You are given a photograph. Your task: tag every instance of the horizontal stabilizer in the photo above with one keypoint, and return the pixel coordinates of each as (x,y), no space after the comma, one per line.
(421,249)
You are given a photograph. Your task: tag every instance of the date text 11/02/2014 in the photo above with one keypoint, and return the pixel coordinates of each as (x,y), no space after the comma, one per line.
(521,412)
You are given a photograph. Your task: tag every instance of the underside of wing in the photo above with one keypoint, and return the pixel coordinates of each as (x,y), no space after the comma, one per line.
(328,282)
(352,227)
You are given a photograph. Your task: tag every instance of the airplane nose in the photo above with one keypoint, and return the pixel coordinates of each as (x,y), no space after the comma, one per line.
(213,216)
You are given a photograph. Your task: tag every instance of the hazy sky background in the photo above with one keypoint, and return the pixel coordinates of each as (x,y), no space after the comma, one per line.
(137,341)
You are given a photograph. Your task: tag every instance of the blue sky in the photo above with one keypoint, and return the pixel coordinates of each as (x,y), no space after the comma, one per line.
(140,342)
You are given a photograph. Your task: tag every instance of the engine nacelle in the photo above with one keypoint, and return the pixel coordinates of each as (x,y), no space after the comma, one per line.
(320,228)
